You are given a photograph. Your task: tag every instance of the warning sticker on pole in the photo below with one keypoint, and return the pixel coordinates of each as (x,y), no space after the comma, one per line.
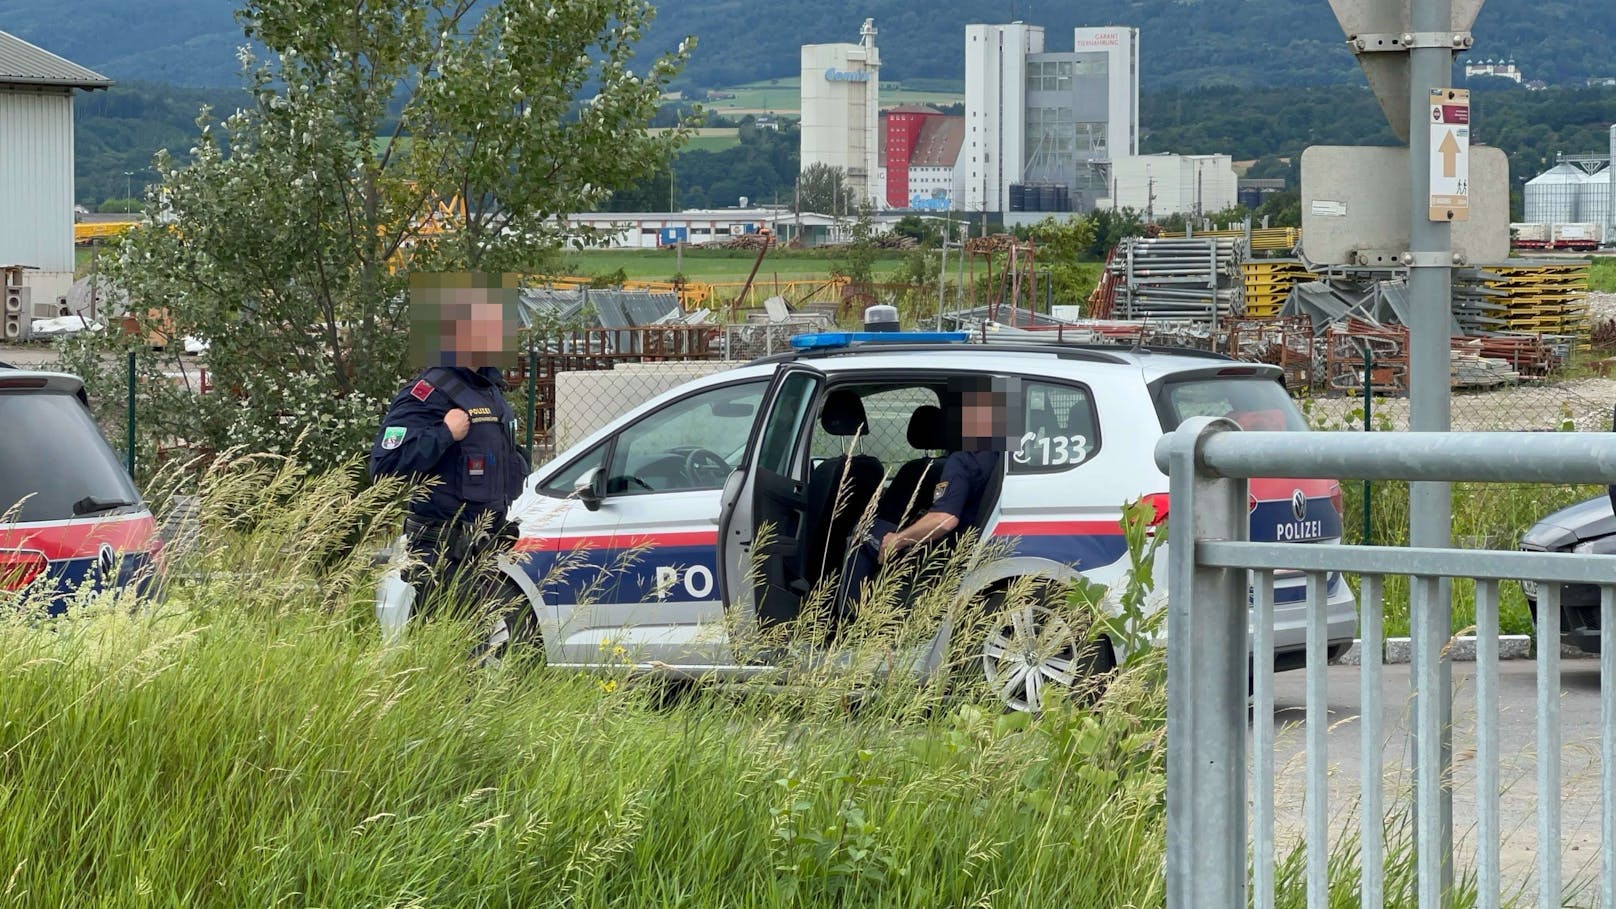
(1450,154)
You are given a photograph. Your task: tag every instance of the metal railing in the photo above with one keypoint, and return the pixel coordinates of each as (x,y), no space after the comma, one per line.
(1215,568)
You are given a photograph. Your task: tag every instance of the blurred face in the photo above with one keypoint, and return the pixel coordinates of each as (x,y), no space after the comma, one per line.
(982,423)
(462,320)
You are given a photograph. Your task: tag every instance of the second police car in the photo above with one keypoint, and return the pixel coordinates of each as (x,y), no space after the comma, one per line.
(685,480)
(69,514)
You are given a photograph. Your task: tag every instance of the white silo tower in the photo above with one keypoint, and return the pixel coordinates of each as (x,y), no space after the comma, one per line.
(1593,205)
(1552,196)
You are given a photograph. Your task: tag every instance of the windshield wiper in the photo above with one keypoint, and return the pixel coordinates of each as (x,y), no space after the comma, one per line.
(94,505)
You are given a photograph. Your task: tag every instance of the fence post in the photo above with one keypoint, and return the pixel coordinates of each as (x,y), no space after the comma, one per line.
(1368,409)
(532,396)
(1206,680)
(129,456)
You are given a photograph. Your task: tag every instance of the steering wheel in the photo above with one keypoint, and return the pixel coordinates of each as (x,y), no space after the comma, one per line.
(705,468)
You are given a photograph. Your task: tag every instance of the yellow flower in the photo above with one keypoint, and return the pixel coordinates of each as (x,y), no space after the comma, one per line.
(609,686)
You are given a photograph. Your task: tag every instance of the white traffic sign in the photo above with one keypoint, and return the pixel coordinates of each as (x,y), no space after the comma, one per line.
(1450,154)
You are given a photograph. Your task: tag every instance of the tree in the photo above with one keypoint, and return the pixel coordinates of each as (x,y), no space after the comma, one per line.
(381,137)
(861,252)
(1062,244)
(823,189)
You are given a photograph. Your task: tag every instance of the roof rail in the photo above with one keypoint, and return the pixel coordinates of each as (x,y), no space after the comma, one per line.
(1052,339)
(1095,354)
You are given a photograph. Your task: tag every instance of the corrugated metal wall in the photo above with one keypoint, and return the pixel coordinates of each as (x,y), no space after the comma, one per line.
(36,179)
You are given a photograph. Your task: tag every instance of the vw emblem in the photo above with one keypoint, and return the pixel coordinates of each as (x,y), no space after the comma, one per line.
(1299,505)
(105,560)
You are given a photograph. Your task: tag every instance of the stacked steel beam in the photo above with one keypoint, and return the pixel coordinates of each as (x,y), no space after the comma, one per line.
(1197,279)
(1269,283)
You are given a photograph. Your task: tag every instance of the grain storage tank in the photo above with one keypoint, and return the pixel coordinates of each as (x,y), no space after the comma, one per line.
(1552,196)
(1593,205)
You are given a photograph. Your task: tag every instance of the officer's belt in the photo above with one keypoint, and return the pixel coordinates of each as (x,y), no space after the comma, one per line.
(455,539)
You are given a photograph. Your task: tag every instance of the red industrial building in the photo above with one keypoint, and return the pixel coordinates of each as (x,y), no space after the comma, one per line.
(919,148)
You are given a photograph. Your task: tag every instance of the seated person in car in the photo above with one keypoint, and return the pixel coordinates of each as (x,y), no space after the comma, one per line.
(958,495)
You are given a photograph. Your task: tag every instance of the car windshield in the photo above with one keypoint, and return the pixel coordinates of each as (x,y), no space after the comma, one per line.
(1257,404)
(58,461)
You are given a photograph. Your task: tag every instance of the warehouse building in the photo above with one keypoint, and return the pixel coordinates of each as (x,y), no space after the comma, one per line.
(1163,185)
(36,180)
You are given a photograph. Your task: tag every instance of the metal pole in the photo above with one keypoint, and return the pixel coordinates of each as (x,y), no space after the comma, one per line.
(942,277)
(1207,708)
(532,396)
(129,455)
(1368,409)
(1430,290)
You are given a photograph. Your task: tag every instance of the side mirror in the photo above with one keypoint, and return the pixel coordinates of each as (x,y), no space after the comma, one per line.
(589,490)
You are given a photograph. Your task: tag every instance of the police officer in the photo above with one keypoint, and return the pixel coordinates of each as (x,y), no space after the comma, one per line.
(956,500)
(451,423)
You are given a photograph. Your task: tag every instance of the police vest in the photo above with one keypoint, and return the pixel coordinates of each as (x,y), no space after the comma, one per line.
(484,471)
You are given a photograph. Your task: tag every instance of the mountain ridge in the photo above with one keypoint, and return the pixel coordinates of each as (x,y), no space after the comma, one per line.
(1184,43)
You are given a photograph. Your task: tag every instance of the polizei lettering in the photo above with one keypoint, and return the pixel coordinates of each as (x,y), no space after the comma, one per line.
(1299,530)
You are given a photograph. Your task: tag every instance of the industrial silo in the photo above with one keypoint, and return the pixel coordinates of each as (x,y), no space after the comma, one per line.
(1552,196)
(1594,204)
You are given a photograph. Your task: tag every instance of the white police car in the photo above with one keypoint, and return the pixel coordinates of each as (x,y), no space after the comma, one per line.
(686,479)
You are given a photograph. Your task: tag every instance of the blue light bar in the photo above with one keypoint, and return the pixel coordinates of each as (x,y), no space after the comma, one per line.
(831,339)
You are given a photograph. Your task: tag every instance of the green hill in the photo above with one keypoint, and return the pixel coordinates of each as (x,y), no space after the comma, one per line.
(1185,43)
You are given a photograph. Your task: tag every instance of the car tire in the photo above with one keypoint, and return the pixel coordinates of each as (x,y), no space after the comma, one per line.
(514,631)
(1028,647)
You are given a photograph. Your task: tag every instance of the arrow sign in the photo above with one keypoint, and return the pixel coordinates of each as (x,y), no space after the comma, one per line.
(1450,154)
(1449,150)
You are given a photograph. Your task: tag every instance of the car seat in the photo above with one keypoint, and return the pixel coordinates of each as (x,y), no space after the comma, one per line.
(839,489)
(910,494)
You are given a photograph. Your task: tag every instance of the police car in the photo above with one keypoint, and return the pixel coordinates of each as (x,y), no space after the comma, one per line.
(686,480)
(69,514)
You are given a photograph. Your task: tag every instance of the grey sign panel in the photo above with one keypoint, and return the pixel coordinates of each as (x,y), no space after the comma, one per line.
(1383,56)
(1356,206)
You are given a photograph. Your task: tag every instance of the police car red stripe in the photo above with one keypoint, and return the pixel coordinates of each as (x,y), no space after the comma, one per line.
(564,543)
(1056,528)
(82,538)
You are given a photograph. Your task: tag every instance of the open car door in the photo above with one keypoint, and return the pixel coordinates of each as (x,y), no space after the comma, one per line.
(765,508)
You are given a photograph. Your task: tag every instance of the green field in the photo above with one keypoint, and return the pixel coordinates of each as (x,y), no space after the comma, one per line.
(713,143)
(784,96)
(1602,277)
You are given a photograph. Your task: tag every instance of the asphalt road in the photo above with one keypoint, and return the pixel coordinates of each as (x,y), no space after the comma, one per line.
(1579,764)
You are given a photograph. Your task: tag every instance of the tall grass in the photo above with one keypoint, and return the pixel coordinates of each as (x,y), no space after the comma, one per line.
(1485,516)
(249,742)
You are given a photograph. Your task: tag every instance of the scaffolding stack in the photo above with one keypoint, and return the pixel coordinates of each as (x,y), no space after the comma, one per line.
(1542,298)
(1268,284)
(1195,279)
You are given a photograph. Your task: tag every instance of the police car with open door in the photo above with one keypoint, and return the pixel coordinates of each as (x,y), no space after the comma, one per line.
(642,534)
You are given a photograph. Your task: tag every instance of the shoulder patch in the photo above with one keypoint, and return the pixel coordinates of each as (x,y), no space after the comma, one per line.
(421,390)
(941,488)
(393,437)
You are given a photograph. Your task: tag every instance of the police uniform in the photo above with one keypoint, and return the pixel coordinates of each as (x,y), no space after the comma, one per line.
(959,492)
(479,475)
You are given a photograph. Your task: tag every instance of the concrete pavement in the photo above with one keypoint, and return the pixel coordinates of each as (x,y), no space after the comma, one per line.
(1579,764)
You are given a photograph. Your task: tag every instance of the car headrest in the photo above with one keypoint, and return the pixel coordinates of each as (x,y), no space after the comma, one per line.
(927,429)
(843,414)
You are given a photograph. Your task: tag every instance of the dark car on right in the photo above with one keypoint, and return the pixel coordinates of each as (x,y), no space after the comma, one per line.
(1588,528)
